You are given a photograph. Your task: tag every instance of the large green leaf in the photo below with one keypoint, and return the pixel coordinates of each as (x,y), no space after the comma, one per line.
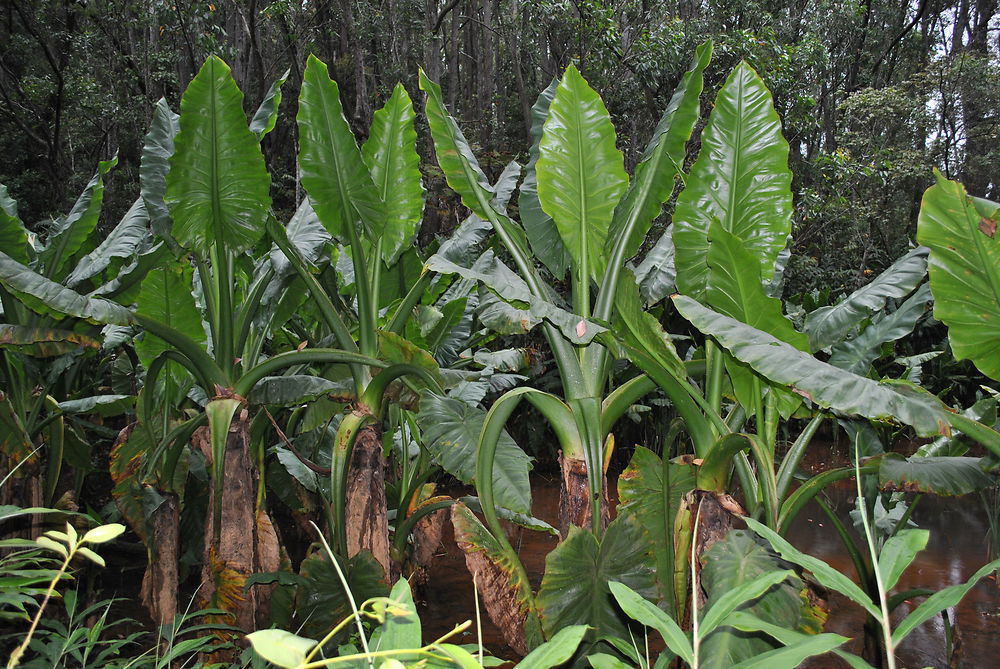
(460,167)
(321,602)
(825,385)
(857,354)
(539,226)
(581,173)
(829,325)
(735,290)
(574,589)
(69,234)
(166,296)
(662,159)
(390,152)
(651,491)
(938,475)
(965,270)
(737,560)
(401,629)
(13,234)
(450,429)
(740,179)
(122,242)
(156,152)
(333,171)
(217,187)
(50,298)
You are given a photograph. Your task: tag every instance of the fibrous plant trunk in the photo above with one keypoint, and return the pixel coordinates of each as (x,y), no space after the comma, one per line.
(247,542)
(493,583)
(574,497)
(159,582)
(367,522)
(710,516)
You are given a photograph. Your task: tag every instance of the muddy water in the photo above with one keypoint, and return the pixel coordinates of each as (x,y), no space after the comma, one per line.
(956,550)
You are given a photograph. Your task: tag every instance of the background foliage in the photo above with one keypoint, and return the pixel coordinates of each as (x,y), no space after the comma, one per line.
(872,94)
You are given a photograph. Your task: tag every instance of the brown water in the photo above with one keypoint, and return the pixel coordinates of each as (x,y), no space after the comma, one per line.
(956,550)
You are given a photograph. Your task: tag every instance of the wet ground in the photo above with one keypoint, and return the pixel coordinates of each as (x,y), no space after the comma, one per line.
(957,548)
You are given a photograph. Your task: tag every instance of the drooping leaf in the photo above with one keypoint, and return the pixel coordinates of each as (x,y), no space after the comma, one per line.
(505,590)
(390,152)
(450,429)
(266,116)
(656,273)
(43,342)
(217,187)
(662,159)
(857,354)
(539,226)
(508,285)
(290,390)
(105,405)
(824,384)
(740,180)
(938,475)
(333,171)
(502,317)
(522,519)
(574,589)
(156,152)
(13,234)
(50,298)
(581,173)
(122,242)
(828,325)
(964,267)
(70,234)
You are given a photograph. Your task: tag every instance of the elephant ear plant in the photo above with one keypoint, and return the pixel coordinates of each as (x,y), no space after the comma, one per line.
(592,217)
(206,186)
(46,354)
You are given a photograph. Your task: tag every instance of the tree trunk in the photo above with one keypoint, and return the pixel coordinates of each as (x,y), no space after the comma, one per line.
(367,524)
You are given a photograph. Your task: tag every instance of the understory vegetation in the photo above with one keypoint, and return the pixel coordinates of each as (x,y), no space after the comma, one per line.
(273,399)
